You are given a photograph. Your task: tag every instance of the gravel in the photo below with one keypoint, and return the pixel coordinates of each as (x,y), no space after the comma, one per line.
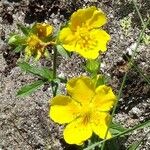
(24,122)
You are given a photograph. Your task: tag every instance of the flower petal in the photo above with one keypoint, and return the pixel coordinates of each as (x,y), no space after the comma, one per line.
(100,122)
(79,18)
(33,41)
(97,20)
(76,132)
(43,29)
(104,98)
(101,38)
(81,89)
(67,38)
(90,17)
(63,109)
(90,54)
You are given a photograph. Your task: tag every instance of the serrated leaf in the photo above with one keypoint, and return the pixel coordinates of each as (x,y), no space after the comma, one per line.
(25,30)
(28,89)
(62,51)
(116,128)
(42,72)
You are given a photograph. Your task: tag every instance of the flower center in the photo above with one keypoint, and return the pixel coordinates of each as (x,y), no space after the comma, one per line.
(84,38)
(86,118)
(87,114)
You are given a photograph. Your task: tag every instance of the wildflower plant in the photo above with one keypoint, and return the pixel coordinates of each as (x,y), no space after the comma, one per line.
(84,34)
(34,41)
(88,107)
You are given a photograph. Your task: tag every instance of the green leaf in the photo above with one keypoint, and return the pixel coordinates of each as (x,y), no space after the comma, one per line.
(92,66)
(62,51)
(46,73)
(99,80)
(42,72)
(19,48)
(25,30)
(116,128)
(28,89)
(16,40)
(62,80)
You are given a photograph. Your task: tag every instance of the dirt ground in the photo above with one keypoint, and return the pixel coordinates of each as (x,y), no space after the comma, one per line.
(24,122)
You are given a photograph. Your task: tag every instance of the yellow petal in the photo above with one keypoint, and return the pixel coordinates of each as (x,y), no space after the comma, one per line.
(49,30)
(104,98)
(101,38)
(43,29)
(33,41)
(98,19)
(76,132)
(81,89)
(90,54)
(67,38)
(90,17)
(100,123)
(80,17)
(63,109)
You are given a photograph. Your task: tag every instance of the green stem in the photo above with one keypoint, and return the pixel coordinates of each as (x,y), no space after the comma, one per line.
(54,85)
(54,63)
(139,14)
(54,88)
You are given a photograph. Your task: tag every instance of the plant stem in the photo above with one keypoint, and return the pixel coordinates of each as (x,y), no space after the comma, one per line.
(139,14)
(53,84)
(54,63)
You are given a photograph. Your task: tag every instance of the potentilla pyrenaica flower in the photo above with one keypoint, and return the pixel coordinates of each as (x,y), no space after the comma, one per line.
(36,41)
(83,33)
(85,110)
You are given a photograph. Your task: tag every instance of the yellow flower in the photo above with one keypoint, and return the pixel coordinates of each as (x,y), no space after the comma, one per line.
(34,46)
(36,41)
(83,34)
(43,30)
(86,110)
